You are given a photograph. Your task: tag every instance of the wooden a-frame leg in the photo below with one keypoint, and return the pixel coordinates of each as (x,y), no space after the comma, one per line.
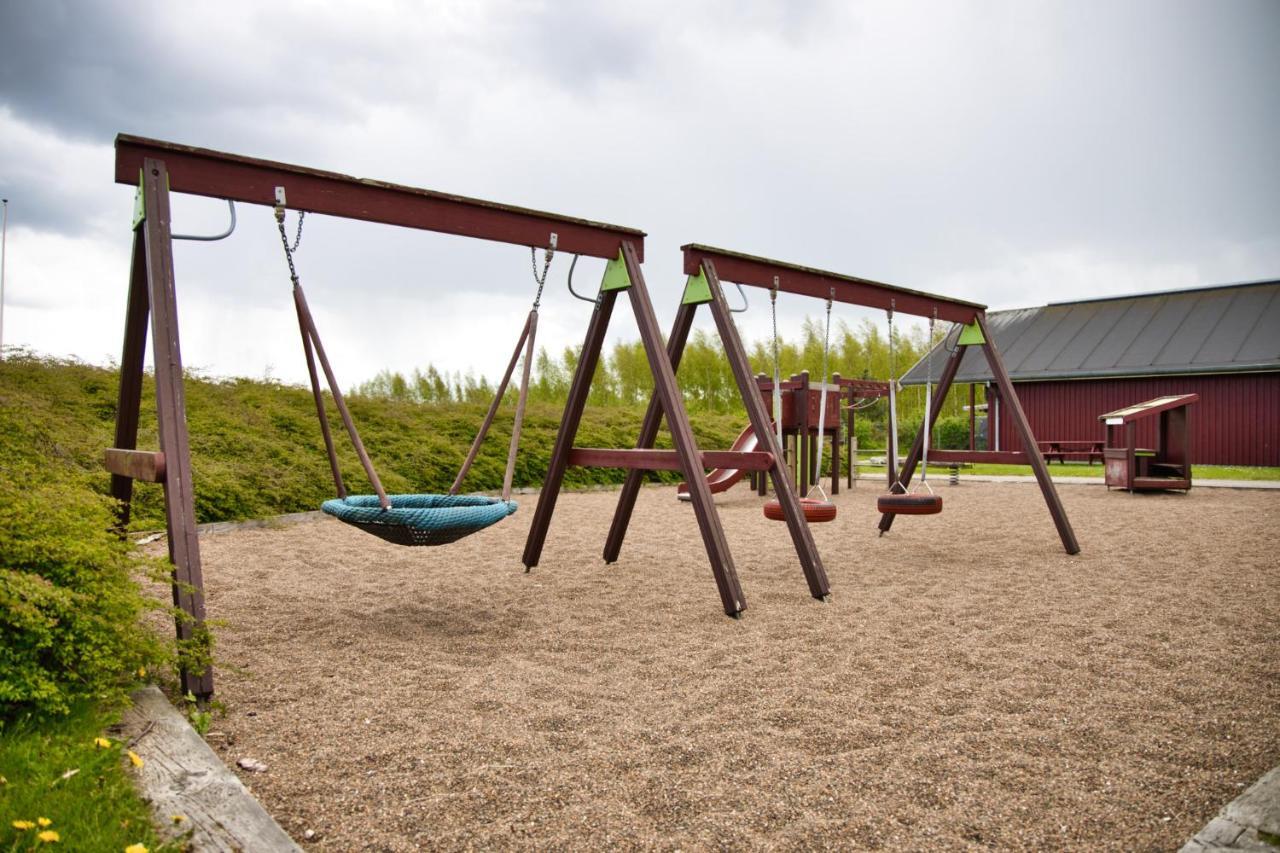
(1029,445)
(648,435)
(664,381)
(814,572)
(179,499)
(132,362)
(579,389)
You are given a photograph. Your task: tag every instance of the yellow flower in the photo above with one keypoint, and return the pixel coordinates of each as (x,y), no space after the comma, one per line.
(136,848)
(44,821)
(142,672)
(48,836)
(101,743)
(23,824)
(133,757)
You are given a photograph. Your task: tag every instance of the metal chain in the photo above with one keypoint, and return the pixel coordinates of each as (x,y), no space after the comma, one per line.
(546,265)
(773,309)
(826,344)
(284,240)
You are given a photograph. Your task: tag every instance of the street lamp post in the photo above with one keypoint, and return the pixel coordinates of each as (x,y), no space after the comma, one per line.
(4,233)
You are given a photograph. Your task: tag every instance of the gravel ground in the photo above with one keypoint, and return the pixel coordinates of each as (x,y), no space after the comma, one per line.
(968,685)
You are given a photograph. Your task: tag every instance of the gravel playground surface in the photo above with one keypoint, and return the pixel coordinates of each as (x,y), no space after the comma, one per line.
(967,685)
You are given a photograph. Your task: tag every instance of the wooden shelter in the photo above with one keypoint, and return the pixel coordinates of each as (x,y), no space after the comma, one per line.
(1168,464)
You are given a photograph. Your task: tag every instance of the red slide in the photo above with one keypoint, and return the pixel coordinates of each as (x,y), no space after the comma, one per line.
(721,479)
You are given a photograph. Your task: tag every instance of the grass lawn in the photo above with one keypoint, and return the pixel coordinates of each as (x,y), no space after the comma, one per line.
(56,776)
(1081,469)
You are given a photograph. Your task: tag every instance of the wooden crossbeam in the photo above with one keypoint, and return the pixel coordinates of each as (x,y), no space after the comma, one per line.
(807,281)
(217,174)
(646,459)
(135,464)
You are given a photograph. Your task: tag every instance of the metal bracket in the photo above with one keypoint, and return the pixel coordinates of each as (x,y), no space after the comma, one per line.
(280,198)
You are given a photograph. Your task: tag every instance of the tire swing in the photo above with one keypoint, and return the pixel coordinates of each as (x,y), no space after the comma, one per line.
(899,500)
(415,519)
(815,510)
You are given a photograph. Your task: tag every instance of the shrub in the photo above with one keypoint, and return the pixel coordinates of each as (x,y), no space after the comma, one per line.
(952,433)
(69,607)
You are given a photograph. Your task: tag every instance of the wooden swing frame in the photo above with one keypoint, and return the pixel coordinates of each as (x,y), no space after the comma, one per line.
(158,168)
(708,267)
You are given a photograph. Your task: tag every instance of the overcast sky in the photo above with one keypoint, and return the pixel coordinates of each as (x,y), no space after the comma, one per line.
(1011,153)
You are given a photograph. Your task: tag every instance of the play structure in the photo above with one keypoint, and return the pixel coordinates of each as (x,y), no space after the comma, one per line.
(1166,465)
(706,268)
(801,409)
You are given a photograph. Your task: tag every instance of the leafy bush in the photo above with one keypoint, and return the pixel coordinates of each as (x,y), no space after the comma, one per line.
(69,607)
(952,433)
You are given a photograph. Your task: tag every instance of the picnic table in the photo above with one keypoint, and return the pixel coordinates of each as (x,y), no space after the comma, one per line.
(1074,448)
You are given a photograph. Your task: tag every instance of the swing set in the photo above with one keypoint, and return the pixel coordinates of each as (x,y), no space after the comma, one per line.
(159,168)
(706,268)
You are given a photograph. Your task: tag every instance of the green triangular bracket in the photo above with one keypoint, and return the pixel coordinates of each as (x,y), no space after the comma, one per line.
(615,275)
(696,290)
(139,205)
(971,335)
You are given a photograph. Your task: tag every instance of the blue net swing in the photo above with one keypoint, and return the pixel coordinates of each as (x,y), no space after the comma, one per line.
(413,519)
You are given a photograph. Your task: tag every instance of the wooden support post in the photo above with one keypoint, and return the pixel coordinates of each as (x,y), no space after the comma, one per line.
(814,572)
(648,435)
(579,389)
(132,361)
(664,380)
(1010,396)
(179,499)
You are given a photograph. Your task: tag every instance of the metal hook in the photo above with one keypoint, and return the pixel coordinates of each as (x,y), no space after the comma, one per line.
(745,303)
(571,290)
(231,205)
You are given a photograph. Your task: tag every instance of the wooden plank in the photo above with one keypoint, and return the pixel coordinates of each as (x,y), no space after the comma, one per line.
(145,465)
(181,775)
(171,417)
(991,457)
(218,174)
(647,459)
(821,284)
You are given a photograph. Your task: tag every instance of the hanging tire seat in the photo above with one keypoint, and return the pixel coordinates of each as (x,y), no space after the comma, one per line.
(814,510)
(909,504)
(420,519)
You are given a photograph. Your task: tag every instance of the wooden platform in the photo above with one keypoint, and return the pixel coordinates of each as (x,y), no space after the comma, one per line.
(180,774)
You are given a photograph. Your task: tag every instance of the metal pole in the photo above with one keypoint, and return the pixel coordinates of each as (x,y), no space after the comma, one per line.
(4,232)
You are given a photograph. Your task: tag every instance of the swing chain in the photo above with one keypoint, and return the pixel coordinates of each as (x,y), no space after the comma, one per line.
(284,240)
(541,279)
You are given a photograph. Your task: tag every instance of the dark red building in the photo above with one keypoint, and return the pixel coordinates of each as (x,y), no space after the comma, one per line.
(1072,361)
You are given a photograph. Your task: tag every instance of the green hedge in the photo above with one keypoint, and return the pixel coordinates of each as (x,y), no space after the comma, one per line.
(69,606)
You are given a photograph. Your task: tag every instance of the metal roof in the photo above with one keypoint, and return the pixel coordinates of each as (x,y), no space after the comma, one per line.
(1227,329)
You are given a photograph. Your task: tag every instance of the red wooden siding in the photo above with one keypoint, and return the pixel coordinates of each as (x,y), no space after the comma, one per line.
(1236,422)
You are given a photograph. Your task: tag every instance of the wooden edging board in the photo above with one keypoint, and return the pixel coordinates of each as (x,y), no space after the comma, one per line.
(180,774)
